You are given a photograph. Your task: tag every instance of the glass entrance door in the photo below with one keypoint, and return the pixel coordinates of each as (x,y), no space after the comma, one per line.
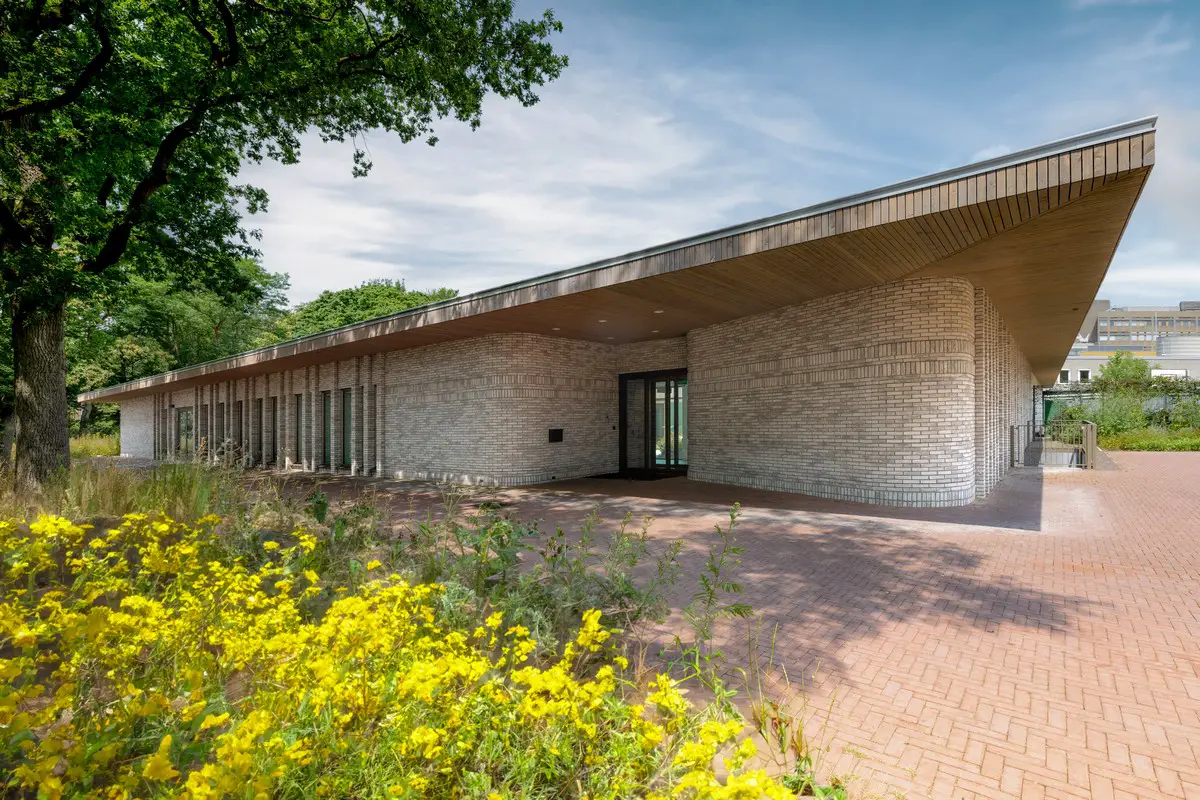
(654,431)
(670,423)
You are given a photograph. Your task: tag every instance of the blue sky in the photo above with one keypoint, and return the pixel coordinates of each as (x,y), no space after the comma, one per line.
(674,118)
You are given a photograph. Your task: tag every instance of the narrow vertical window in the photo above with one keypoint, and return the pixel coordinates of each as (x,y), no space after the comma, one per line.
(256,454)
(274,430)
(347,428)
(297,431)
(326,428)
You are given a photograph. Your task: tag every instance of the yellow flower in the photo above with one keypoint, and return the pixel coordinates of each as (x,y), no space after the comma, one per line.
(159,768)
(213,721)
(270,545)
(591,635)
(374,564)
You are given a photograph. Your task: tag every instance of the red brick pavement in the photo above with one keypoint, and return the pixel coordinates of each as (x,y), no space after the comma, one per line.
(1042,643)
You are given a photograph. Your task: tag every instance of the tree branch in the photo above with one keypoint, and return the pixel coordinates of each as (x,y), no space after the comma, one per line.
(12,226)
(76,89)
(371,54)
(156,177)
(233,50)
(213,50)
(106,190)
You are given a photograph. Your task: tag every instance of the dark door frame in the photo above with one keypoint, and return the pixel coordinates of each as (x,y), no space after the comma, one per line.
(647,417)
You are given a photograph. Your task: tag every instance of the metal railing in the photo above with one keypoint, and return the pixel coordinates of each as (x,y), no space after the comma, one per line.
(1058,443)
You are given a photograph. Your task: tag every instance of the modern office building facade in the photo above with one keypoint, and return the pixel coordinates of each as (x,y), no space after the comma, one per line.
(1166,337)
(875,348)
(1138,328)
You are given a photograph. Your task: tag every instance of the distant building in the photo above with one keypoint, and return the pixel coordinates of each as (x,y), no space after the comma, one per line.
(1166,336)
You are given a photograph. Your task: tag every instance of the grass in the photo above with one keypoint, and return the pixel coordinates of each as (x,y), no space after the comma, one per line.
(182,491)
(90,445)
(1187,439)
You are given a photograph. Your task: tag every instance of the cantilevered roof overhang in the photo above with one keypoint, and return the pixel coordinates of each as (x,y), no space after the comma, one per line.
(1036,229)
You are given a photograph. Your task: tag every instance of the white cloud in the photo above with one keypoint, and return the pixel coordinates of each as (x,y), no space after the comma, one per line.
(1163,40)
(1158,272)
(599,167)
(627,151)
(994,151)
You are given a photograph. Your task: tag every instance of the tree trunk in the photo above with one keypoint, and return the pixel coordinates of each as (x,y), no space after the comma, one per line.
(6,442)
(40,393)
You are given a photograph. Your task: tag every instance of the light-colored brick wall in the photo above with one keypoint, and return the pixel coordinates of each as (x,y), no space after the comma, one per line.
(480,410)
(878,395)
(1004,394)
(137,427)
(651,356)
(867,396)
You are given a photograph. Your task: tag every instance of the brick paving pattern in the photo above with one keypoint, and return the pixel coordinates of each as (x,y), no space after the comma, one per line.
(1043,643)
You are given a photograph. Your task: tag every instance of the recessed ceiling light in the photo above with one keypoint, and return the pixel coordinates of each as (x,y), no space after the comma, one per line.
(556,329)
(658,311)
(603,320)
(609,337)
(654,331)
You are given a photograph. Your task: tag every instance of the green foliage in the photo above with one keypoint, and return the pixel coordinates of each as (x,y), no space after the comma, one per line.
(1131,405)
(712,601)
(1070,413)
(1125,368)
(713,598)
(1184,439)
(1184,413)
(333,309)
(796,736)
(1119,411)
(125,124)
(143,326)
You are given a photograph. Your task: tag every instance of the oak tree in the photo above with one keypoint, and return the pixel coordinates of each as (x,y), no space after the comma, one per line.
(123,125)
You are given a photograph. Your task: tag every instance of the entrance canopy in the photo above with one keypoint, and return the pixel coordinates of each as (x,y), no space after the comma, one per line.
(1036,229)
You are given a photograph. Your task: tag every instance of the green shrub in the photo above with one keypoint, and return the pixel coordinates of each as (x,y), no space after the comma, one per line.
(1185,413)
(1071,413)
(1187,439)
(1119,412)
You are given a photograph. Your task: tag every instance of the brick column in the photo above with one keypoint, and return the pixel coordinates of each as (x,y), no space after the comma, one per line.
(214,395)
(356,418)
(245,435)
(368,418)
(286,401)
(381,416)
(254,429)
(227,422)
(314,419)
(172,428)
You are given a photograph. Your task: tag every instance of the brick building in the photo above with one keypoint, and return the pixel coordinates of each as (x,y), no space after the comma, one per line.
(873,348)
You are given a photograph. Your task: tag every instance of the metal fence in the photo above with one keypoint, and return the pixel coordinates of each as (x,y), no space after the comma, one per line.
(1058,443)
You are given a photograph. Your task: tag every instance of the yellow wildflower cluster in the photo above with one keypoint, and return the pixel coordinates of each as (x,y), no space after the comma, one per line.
(143,660)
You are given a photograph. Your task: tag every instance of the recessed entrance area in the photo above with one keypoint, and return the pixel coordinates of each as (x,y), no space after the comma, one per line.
(653,423)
